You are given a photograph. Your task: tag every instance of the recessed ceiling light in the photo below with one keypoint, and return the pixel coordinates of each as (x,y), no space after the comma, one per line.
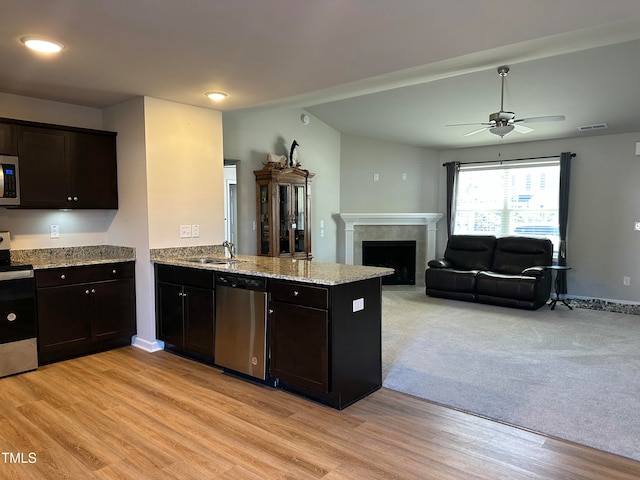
(216,96)
(42,45)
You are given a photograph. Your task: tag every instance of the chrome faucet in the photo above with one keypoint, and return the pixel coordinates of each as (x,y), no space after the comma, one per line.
(230,248)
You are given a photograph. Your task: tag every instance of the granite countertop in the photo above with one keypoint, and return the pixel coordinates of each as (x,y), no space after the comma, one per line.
(305,271)
(42,258)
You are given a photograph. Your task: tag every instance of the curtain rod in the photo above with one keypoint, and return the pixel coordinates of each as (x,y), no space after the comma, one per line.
(509,160)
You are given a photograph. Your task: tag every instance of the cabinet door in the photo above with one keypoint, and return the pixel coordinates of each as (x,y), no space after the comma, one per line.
(8,143)
(300,345)
(43,176)
(299,215)
(92,170)
(264,219)
(198,318)
(63,320)
(111,309)
(284,219)
(169,313)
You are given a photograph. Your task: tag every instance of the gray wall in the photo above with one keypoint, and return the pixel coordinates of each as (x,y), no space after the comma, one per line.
(249,135)
(362,157)
(602,245)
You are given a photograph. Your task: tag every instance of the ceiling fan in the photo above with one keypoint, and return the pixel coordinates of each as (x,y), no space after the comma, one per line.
(503,123)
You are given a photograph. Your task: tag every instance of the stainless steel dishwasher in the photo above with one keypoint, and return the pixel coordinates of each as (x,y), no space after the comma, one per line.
(241,324)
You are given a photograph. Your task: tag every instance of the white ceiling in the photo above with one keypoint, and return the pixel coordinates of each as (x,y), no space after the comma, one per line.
(395,70)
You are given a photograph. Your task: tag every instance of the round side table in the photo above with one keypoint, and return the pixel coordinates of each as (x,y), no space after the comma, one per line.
(558,269)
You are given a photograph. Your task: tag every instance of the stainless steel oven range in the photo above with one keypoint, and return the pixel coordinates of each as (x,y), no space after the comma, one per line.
(18,324)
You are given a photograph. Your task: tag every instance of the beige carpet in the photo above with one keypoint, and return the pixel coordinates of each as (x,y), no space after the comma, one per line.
(570,374)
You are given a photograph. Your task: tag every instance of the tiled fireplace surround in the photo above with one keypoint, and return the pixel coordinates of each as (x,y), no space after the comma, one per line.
(420,227)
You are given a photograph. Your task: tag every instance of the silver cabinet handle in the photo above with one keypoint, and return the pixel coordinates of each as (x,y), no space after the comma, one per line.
(270,311)
(75,199)
(296,293)
(93,290)
(63,276)
(69,199)
(86,292)
(114,271)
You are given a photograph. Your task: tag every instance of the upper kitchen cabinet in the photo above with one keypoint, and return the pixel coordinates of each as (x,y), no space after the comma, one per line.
(283,199)
(67,168)
(8,144)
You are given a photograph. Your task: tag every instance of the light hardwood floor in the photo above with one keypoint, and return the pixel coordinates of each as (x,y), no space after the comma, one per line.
(128,414)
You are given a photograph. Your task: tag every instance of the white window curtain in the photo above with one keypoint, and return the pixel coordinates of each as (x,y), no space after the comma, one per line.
(519,197)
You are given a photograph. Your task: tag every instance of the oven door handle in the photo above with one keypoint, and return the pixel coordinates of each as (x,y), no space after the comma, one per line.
(16,275)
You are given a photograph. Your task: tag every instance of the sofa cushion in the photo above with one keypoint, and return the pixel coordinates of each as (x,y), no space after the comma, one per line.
(451,280)
(471,252)
(515,254)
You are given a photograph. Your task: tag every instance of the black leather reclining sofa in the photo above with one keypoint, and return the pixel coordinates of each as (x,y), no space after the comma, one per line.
(507,271)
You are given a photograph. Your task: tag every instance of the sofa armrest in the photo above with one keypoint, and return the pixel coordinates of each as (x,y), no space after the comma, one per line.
(442,263)
(537,271)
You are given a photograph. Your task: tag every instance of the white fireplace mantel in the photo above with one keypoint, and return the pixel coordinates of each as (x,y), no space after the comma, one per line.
(350,220)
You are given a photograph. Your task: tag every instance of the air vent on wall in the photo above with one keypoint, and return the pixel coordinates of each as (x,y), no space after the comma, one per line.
(596,126)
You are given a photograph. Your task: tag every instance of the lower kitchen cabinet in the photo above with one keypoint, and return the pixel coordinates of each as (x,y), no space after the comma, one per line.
(325,342)
(84,309)
(185,311)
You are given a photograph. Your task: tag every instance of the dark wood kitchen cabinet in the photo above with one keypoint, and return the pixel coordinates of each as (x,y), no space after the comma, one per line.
(300,335)
(61,168)
(185,311)
(8,142)
(325,341)
(84,309)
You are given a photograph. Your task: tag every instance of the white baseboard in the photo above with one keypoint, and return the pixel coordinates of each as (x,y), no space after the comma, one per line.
(146,345)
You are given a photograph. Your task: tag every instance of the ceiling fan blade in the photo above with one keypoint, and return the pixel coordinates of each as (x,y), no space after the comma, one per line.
(549,118)
(468,124)
(475,131)
(522,128)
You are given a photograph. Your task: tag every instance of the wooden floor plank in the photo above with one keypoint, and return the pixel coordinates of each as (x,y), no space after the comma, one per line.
(128,414)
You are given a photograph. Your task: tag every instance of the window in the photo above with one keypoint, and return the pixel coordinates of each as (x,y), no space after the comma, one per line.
(512,198)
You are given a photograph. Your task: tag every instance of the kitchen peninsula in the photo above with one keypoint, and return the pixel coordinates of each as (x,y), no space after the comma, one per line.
(323,320)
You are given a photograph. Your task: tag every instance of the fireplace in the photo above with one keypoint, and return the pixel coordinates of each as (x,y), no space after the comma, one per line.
(397,254)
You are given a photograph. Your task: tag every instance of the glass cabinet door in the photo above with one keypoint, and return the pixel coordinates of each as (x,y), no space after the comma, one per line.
(265,232)
(298,214)
(284,226)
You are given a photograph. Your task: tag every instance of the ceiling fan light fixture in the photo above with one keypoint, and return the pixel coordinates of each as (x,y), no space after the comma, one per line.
(502,130)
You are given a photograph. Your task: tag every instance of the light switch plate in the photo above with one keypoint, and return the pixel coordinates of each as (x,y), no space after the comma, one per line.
(185,231)
(195,231)
(54,231)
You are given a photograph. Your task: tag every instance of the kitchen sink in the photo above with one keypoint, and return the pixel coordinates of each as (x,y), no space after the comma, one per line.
(213,260)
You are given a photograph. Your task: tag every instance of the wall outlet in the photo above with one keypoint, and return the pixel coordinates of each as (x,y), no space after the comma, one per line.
(376,177)
(637,226)
(195,231)
(185,231)
(358,304)
(626,281)
(404,176)
(54,231)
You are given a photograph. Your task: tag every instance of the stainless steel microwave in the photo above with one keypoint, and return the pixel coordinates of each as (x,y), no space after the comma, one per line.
(9,181)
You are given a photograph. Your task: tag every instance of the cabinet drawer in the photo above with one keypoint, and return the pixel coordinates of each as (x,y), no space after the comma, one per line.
(299,294)
(111,271)
(83,274)
(61,276)
(190,277)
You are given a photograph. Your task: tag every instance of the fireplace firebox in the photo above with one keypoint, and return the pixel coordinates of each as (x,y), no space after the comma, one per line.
(397,254)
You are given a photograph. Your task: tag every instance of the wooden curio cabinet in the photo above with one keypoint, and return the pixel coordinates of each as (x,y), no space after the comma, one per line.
(283,199)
